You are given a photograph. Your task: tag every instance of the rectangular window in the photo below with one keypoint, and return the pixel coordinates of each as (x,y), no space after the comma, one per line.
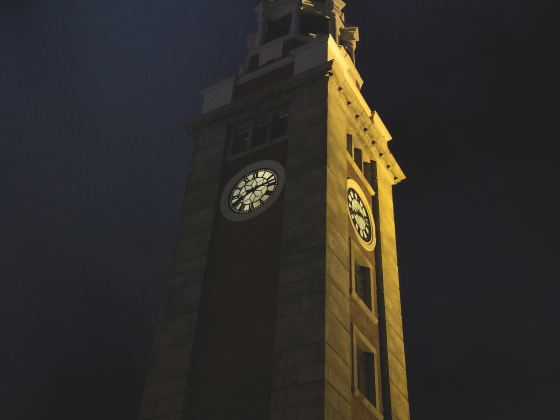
(260,134)
(279,125)
(363,285)
(349,144)
(269,127)
(369,172)
(278,28)
(366,375)
(240,140)
(358,158)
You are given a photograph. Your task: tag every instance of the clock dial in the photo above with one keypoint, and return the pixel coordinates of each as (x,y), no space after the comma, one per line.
(253,190)
(360,215)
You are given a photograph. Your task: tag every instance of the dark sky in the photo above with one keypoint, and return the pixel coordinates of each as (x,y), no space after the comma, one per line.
(93,158)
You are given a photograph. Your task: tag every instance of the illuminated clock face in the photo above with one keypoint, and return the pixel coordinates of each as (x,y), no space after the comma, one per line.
(360,215)
(252,190)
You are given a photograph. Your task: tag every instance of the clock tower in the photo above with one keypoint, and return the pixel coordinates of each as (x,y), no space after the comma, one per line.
(282,300)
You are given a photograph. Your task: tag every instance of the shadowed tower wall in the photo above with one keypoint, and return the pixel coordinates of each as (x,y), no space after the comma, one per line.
(287,307)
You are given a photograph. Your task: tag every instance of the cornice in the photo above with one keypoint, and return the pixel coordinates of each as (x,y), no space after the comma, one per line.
(342,71)
(371,126)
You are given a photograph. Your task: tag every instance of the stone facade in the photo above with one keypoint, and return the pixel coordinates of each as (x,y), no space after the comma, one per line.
(262,319)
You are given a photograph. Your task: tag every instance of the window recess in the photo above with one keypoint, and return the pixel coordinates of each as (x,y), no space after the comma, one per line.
(366,375)
(363,285)
(253,63)
(358,157)
(259,133)
(365,366)
(278,28)
(314,24)
(349,145)
(370,172)
(279,125)
(240,140)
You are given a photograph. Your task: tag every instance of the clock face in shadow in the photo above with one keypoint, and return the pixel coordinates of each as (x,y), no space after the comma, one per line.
(252,190)
(359,212)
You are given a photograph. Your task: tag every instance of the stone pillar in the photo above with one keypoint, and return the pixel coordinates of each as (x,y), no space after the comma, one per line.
(298,388)
(261,31)
(296,16)
(395,363)
(338,343)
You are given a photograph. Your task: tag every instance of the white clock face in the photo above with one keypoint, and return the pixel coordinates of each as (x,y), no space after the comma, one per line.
(252,190)
(359,212)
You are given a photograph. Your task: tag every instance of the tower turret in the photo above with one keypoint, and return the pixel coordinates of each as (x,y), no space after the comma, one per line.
(293,23)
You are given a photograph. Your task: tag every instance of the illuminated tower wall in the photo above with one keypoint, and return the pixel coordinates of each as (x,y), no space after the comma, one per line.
(283,297)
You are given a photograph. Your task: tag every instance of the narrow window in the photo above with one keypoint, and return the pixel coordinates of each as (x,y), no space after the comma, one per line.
(363,284)
(279,125)
(277,28)
(366,375)
(369,172)
(240,140)
(358,158)
(349,144)
(260,134)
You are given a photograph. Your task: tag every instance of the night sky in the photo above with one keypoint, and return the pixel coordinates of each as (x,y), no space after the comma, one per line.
(93,159)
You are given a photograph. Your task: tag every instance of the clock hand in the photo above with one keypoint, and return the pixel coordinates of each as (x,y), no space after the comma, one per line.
(254,188)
